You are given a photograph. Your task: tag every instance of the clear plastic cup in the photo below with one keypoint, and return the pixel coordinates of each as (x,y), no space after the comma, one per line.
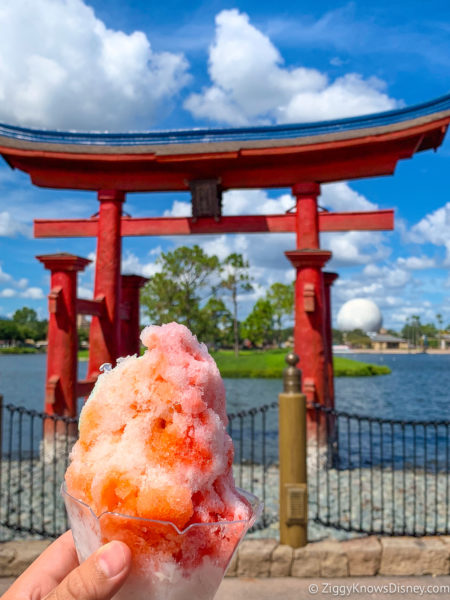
(168,564)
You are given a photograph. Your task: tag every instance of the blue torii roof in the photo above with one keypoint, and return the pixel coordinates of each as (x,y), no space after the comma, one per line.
(437,107)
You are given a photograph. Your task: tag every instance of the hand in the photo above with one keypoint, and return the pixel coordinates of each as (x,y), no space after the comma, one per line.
(57,574)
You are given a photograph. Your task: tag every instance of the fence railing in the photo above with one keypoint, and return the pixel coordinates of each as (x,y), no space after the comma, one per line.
(365,474)
(255,437)
(379,476)
(32,466)
(32,469)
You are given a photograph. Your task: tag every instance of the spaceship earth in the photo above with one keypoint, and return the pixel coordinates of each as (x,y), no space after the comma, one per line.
(360,313)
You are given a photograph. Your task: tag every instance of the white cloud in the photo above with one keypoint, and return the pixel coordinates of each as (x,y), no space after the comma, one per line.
(389,276)
(4,277)
(341,197)
(352,247)
(336,61)
(223,245)
(10,227)
(132,265)
(241,202)
(34,293)
(62,67)
(434,228)
(179,209)
(334,196)
(400,315)
(255,202)
(416,263)
(250,83)
(355,247)
(85,292)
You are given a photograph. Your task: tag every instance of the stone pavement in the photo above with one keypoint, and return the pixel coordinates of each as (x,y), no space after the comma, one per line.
(290,588)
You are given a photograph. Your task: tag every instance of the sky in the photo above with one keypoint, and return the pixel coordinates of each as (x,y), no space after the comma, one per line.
(121,65)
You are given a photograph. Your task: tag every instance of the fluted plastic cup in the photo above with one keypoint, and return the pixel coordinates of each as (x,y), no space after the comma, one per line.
(168,564)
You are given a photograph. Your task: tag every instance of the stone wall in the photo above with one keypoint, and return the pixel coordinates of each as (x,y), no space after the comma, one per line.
(328,558)
(357,557)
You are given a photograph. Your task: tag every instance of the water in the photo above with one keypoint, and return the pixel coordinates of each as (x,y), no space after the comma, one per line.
(417,389)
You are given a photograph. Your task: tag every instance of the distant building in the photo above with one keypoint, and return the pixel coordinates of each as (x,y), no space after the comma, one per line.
(83,322)
(444,341)
(385,341)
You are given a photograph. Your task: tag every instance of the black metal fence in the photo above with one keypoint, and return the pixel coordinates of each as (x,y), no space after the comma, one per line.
(379,476)
(32,469)
(255,437)
(32,466)
(365,475)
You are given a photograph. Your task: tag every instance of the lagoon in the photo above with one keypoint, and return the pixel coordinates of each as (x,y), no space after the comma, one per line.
(417,389)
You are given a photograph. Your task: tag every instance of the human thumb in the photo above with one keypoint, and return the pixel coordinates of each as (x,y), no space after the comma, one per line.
(97,578)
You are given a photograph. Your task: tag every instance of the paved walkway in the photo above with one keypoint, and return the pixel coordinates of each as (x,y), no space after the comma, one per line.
(361,588)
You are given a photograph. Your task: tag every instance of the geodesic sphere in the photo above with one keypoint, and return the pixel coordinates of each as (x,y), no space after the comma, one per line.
(360,313)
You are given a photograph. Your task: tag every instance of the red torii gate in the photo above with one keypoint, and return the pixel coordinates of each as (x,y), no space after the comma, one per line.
(314,341)
(297,156)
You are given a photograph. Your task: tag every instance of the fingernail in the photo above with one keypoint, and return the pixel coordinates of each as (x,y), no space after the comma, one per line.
(112,559)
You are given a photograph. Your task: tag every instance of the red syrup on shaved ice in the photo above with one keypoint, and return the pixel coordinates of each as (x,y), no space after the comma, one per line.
(153,468)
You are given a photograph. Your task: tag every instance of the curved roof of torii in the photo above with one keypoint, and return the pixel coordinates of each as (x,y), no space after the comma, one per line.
(263,156)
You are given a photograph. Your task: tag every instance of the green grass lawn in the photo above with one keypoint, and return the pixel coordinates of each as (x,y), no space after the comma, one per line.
(18,350)
(270,363)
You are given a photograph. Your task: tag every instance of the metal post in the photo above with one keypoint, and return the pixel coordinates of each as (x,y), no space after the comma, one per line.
(1,433)
(292,447)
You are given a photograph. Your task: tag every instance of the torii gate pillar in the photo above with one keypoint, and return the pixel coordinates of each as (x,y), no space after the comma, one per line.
(310,306)
(62,360)
(129,323)
(329,278)
(104,335)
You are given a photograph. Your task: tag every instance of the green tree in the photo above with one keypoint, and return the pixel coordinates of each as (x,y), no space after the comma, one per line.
(281,298)
(429,329)
(358,339)
(82,335)
(338,336)
(25,316)
(258,327)
(28,325)
(411,329)
(393,332)
(176,292)
(236,280)
(414,330)
(217,323)
(10,331)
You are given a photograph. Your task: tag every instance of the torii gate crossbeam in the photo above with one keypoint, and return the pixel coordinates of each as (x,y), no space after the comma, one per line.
(380,220)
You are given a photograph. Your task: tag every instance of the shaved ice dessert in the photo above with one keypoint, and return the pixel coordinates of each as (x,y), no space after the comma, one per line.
(153,468)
